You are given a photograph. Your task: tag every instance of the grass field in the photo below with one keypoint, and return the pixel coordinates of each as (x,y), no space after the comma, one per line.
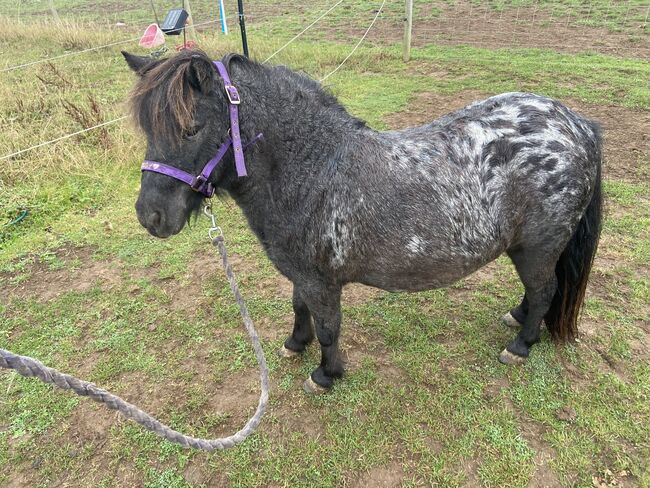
(424,402)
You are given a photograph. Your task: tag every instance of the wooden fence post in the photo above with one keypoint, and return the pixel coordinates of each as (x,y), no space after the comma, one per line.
(190,25)
(54,12)
(408,26)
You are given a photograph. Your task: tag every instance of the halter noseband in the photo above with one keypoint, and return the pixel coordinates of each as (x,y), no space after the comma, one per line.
(200,182)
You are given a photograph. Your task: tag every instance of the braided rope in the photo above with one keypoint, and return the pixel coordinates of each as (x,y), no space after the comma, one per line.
(30,367)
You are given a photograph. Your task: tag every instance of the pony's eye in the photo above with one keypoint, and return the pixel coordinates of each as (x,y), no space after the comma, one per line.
(191,132)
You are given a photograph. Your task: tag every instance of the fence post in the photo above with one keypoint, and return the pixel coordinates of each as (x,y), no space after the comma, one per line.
(191,19)
(222,17)
(242,26)
(55,14)
(408,26)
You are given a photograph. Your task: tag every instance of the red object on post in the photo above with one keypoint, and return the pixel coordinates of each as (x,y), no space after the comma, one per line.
(186,45)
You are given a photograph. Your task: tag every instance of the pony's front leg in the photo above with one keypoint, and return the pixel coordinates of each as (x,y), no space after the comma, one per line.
(303,332)
(324,302)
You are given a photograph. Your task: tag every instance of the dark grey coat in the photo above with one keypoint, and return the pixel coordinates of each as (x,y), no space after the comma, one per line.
(333,201)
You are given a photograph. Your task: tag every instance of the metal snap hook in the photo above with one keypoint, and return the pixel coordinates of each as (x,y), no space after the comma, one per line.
(214,231)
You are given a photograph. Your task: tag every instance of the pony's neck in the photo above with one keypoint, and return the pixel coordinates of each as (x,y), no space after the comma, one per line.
(304,129)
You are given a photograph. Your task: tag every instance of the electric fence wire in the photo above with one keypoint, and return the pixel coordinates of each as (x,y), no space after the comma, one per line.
(95,48)
(303,31)
(378,13)
(103,124)
(73,53)
(358,43)
(67,136)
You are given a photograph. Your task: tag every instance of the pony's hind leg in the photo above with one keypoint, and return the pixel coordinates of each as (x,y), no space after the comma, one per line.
(516,317)
(537,272)
(303,332)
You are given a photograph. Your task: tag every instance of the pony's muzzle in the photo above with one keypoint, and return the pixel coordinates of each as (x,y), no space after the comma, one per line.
(153,220)
(150,219)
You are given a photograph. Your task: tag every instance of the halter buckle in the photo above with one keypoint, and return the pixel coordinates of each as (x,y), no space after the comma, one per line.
(203,186)
(197,183)
(233,94)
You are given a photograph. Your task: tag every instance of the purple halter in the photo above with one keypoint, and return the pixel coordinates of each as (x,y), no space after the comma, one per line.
(200,183)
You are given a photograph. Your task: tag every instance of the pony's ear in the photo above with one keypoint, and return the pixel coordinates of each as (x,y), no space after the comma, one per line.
(201,74)
(137,63)
(232,57)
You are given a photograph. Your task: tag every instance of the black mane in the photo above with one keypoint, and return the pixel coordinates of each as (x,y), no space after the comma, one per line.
(165,98)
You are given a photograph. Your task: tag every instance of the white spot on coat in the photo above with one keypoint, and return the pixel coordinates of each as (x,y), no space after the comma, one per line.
(415,245)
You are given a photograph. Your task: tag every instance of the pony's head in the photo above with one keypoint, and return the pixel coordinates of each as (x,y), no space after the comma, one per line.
(179,104)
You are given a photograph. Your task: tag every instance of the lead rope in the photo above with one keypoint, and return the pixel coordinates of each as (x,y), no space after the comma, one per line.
(30,367)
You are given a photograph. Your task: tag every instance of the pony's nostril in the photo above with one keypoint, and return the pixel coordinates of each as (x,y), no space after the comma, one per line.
(154,219)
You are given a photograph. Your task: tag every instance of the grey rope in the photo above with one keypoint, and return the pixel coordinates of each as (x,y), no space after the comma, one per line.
(30,367)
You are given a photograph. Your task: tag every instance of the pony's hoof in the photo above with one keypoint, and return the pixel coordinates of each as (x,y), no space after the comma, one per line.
(283,352)
(509,321)
(507,357)
(313,388)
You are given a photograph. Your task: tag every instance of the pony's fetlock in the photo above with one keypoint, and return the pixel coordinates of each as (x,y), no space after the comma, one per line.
(296,346)
(326,379)
(319,382)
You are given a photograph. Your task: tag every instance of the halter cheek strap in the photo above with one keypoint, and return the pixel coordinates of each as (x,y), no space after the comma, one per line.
(234,101)
(200,182)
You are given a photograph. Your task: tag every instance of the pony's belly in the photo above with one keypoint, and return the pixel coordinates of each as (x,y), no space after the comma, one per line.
(419,277)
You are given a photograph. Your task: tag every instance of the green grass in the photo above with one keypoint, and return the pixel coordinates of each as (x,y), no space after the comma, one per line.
(424,399)
(616,16)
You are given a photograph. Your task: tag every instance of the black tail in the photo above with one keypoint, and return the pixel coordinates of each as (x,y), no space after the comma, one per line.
(573,267)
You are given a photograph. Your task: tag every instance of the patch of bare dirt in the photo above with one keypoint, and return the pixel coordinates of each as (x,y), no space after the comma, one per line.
(427,106)
(80,273)
(470,470)
(566,414)
(236,398)
(197,474)
(496,390)
(358,345)
(626,134)
(544,476)
(385,476)
(608,479)
(90,422)
(278,286)
(296,415)
(21,479)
